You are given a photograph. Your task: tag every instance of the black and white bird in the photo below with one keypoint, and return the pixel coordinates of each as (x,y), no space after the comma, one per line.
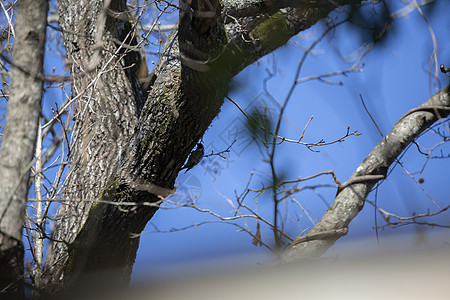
(195,157)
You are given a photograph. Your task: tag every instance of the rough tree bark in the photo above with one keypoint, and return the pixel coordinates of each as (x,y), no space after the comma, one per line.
(18,143)
(130,148)
(105,117)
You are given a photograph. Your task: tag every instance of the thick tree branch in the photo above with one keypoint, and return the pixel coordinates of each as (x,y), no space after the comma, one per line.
(237,8)
(251,38)
(350,199)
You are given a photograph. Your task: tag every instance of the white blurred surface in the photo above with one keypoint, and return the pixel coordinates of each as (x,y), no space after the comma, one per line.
(353,270)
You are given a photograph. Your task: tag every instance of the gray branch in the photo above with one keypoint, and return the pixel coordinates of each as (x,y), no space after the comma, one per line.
(350,199)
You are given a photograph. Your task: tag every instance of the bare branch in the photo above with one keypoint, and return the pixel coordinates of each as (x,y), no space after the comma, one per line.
(350,200)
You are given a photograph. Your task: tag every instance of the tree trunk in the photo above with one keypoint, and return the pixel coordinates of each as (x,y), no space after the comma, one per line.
(16,155)
(106,112)
(129,148)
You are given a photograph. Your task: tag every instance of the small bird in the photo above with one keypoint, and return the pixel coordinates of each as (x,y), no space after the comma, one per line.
(194,158)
